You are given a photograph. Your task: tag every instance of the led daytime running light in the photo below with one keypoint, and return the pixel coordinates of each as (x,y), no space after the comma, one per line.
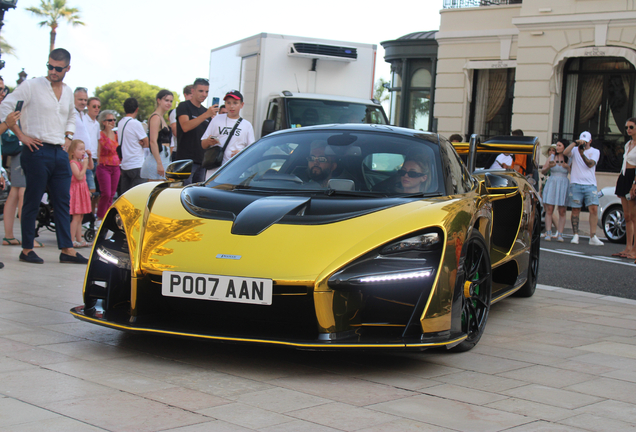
(107,256)
(396,276)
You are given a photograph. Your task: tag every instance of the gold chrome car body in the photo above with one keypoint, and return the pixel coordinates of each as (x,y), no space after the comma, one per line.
(301,260)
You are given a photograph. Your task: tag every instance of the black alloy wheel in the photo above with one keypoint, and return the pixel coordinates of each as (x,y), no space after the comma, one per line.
(527,290)
(475,281)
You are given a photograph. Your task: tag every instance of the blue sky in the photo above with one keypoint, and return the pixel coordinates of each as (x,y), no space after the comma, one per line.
(168,43)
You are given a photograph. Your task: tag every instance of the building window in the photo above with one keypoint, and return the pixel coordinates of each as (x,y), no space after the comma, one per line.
(411,90)
(491,107)
(420,98)
(598,96)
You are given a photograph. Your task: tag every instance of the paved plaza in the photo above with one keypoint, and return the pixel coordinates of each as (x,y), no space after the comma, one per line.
(560,361)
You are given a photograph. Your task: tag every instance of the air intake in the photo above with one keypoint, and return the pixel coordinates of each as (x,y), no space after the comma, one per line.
(324,52)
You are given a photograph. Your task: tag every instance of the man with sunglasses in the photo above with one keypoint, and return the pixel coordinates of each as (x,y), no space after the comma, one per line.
(47,129)
(320,167)
(192,121)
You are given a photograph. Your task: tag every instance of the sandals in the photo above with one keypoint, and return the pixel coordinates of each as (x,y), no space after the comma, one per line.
(81,244)
(16,242)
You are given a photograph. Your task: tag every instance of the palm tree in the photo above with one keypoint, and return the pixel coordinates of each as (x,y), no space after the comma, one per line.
(5,48)
(53,11)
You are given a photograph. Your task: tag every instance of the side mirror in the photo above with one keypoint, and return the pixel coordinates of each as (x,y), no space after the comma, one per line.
(269,126)
(500,184)
(179,170)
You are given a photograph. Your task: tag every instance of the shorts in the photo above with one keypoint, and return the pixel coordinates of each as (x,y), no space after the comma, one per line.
(625,182)
(17,173)
(90,177)
(580,193)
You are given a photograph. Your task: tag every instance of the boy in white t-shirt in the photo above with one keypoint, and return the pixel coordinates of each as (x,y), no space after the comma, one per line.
(220,127)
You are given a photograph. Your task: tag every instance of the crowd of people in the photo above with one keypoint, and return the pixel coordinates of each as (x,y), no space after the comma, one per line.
(79,157)
(579,159)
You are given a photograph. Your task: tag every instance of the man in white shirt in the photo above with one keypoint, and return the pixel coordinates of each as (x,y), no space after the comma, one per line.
(81,131)
(221,127)
(583,184)
(93,129)
(504,160)
(48,125)
(133,140)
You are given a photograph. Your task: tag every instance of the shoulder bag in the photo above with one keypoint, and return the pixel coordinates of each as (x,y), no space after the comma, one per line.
(213,156)
(121,142)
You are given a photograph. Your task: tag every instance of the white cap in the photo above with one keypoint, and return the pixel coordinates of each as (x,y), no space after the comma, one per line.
(586,136)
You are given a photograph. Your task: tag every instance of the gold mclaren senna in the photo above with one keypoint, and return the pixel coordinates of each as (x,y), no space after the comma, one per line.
(326,237)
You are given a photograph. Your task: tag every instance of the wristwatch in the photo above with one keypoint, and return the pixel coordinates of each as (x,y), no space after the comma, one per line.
(69,136)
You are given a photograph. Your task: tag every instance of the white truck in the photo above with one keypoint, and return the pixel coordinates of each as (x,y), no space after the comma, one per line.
(290,81)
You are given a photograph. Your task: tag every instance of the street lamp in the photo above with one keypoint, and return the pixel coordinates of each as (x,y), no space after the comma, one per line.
(5,5)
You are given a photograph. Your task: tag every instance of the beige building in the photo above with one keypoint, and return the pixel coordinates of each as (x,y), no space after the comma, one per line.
(553,68)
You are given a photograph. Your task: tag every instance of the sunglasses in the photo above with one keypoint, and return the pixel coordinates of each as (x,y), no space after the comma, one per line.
(412,174)
(57,68)
(629,127)
(110,120)
(82,89)
(320,159)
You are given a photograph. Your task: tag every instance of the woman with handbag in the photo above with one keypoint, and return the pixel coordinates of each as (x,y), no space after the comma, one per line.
(159,138)
(18,183)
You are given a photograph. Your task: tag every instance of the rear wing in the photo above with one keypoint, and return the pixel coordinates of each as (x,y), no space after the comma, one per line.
(500,144)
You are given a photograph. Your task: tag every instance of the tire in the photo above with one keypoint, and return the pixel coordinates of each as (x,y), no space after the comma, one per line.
(475,280)
(527,290)
(89,235)
(614,224)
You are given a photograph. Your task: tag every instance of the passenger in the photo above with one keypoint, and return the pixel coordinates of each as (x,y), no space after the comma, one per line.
(413,175)
(320,168)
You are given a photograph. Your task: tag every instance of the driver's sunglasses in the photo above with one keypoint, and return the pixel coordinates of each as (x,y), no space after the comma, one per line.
(320,159)
(57,68)
(412,174)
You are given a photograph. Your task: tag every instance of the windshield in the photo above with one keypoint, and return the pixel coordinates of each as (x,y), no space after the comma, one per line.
(338,162)
(311,112)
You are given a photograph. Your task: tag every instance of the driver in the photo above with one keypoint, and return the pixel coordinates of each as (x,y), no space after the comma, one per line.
(320,168)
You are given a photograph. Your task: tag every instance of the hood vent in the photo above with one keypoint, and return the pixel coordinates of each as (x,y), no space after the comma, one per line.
(324,52)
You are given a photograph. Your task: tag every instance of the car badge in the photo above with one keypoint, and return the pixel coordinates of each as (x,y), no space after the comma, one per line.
(231,257)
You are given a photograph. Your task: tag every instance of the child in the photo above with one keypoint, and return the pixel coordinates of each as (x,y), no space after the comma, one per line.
(221,126)
(80,204)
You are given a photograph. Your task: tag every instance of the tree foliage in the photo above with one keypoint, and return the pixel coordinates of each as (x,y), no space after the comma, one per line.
(381,92)
(115,93)
(6,48)
(53,11)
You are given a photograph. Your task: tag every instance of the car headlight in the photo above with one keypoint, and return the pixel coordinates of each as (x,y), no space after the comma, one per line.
(423,242)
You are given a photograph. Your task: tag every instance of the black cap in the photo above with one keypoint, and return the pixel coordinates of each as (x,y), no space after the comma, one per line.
(234,94)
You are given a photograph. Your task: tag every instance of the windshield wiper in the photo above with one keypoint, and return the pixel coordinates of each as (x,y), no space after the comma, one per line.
(330,192)
(419,195)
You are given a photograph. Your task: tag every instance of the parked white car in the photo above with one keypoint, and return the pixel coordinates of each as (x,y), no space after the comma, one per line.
(610,215)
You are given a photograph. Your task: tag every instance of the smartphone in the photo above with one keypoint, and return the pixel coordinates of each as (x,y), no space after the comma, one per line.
(551,157)
(215,101)
(18,106)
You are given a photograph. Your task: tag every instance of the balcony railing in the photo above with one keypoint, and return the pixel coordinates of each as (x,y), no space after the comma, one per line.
(454,4)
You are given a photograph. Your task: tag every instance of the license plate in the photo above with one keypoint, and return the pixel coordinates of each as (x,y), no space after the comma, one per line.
(216,287)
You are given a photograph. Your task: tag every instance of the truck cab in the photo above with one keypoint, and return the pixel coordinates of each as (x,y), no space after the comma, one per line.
(287,110)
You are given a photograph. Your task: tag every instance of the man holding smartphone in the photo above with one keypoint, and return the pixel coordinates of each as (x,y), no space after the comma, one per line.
(48,125)
(583,184)
(192,120)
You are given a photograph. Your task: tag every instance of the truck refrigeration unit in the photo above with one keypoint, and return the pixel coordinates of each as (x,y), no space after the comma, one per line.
(290,81)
